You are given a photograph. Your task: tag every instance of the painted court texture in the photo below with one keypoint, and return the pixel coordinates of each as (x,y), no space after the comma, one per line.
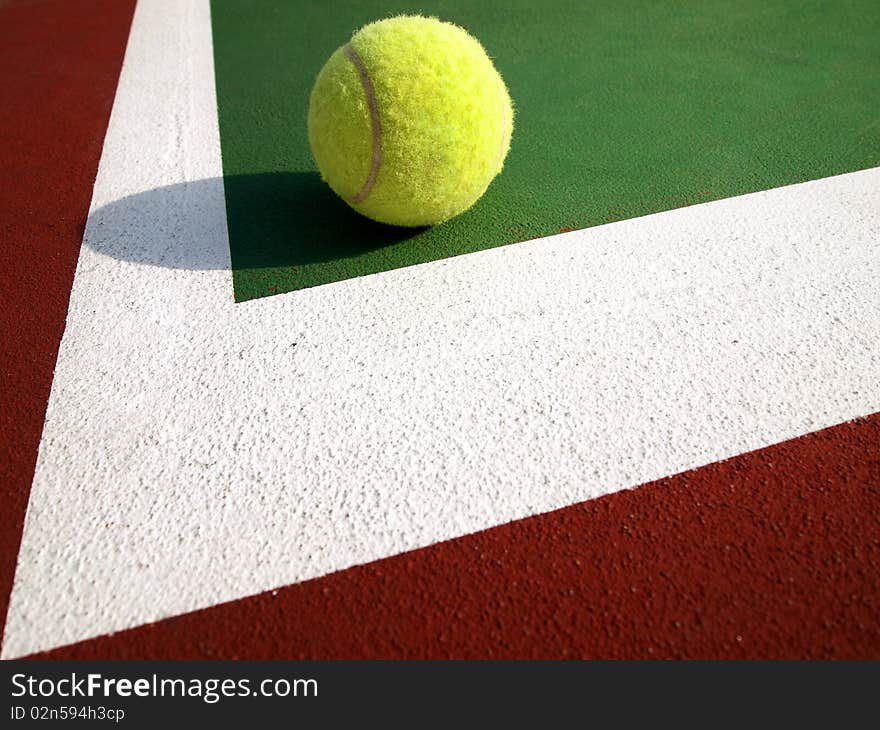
(240,421)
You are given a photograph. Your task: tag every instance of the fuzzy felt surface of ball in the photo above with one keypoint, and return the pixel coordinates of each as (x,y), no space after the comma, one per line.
(409,122)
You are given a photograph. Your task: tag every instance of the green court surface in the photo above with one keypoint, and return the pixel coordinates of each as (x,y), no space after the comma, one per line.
(622,109)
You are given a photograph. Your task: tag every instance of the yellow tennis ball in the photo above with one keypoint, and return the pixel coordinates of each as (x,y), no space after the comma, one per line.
(409,121)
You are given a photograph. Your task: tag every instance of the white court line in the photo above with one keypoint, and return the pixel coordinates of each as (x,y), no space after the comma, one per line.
(196,451)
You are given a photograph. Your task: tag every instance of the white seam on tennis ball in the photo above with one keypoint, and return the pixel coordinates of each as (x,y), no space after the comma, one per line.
(374,117)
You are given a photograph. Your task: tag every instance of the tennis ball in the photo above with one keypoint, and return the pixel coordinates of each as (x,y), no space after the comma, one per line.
(409,121)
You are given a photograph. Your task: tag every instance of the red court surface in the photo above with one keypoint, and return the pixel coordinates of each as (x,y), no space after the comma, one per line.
(59,69)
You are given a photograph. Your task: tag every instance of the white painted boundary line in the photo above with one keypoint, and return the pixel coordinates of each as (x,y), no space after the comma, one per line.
(196,451)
